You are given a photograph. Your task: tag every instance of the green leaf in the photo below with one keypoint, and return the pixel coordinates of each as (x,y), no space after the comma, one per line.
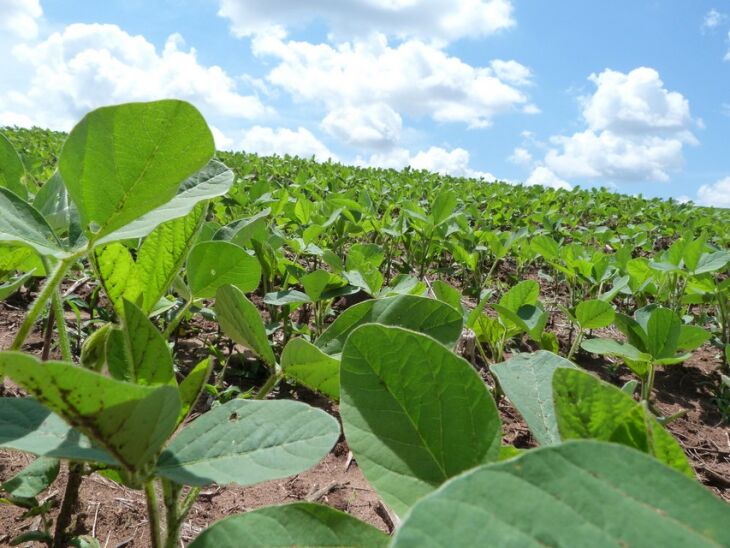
(414,413)
(315,283)
(443,206)
(53,202)
(588,408)
(634,332)
(692,253)
(240,320)
(131,422)
(296,524)
(215,179)
(594,314)
(283,298)
(663,333)
(609,347)
(26,425)
(11,169)
(121,162)
(530,318)
(217,263)
(447,294)
(138,352)
(163,253)
(309,366)
(712,262)
(545,246)
(13,285)
(581,493)
(21,224)
(527,380)
(33,479)
(248,442)
(428,316)
(192,386)
(118,274)
(523,293)
(692,337)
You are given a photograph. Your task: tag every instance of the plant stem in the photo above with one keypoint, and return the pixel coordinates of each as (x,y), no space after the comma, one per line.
(38,305)
(70,498)
(153,512)
(648,384)
(170,329)
(266,389)
(63,341)
(576,344)
(171,493)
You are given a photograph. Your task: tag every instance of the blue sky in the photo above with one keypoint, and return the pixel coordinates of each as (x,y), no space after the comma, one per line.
(633,95)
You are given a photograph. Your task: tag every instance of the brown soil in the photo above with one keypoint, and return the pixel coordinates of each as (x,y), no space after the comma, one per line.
(116,515)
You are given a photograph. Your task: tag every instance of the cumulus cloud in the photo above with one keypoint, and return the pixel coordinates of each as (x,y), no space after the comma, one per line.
(19,18)
(520,156)
(370,126)
(543,176)
(716,194)
(443,20)
(713,19)
(454,162)
(86,66)
(636,131)
(412,79)
(269,141)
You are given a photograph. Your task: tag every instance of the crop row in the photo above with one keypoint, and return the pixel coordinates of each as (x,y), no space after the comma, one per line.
(275,252)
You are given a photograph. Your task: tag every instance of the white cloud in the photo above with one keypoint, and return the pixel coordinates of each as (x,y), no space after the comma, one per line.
(713,19)
(411,79)
(512,72)
(636,131)
(454,162)
(20,18)
(716,194)
(443,20)
(543,176)
(369,126)
(269,141)
(520,156)
(86,66)
(222,141)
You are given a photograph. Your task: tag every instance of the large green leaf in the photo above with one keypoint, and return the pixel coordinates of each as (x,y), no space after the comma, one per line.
(527,380)
(26,425)
(11,169)
(308,365)
(130,422)
(163,253)
(121,162)
(247,442)
(240,320)
(609,347)
(581,493)
(588,408)
(216,263)
(414,413)
(33,479)
(21,224)
(138,352)
(296,524)
(594,314)
(215,179)
(10,287)
(525,292)
(429,316)
(116,269)
(662,332)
